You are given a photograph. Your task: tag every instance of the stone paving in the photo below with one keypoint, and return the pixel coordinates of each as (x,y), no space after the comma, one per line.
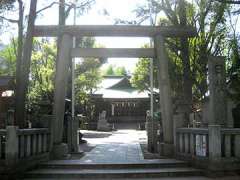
(121,147)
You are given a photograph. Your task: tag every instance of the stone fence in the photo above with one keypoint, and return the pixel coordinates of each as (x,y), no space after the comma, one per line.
(22,148)
(213,147)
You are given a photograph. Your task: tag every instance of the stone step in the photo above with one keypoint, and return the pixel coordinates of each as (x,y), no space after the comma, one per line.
(75,164)
(113,173)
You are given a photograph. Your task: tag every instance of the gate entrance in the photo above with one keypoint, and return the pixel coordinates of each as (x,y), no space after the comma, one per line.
(158,33)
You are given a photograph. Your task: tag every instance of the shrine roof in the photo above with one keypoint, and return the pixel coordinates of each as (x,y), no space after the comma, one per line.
(119,87)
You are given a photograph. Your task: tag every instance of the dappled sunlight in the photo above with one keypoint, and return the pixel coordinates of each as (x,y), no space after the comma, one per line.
(122,146)
(122,137)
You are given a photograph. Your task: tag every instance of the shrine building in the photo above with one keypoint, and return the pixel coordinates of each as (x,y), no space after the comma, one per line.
(122,102)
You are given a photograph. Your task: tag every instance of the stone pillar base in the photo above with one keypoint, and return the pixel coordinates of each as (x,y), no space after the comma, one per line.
(166,149)
(60,151)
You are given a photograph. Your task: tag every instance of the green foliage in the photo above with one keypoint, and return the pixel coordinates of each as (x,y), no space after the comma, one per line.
(115,71)
(234,70)
(42,72)
(140,78)
(8,60)
(87,79)
(120,71)
(109,71)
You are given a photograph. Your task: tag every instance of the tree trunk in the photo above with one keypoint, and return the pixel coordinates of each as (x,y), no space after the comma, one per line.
(187,80)
(25,68)
(19,49)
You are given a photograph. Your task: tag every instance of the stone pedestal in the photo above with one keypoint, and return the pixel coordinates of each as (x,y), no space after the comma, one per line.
(166,149)
(103,125)
(72,135)
(60,151)
(178,122)
(214,142)
(11,146)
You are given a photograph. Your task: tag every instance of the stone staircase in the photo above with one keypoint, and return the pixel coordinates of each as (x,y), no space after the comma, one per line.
(72,169)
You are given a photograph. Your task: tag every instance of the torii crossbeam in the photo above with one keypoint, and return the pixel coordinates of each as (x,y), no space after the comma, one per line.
(115,30)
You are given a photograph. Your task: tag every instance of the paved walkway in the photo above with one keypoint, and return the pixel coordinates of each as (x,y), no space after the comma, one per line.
(120,147)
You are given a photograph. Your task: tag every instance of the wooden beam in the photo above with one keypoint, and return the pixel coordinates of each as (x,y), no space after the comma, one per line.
(113,52)
(116,30)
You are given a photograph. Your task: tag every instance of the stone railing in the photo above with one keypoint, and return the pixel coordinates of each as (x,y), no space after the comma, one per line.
(192,142)
(32,142)
(206,145)
(26,147)
(231,142)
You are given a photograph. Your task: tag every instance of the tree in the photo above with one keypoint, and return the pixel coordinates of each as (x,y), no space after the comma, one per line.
(22,84)
(42,73)
(115,71)
(233,61)
(209,19)
(109,71)
(120,71)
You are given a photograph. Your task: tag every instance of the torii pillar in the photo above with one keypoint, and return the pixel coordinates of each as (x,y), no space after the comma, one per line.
(167,146)
(59,149)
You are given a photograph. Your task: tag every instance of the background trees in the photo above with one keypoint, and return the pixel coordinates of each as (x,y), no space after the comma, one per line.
(210,18)
(114,71)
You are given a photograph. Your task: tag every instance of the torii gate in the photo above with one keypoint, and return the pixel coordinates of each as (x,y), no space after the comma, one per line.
(159,33)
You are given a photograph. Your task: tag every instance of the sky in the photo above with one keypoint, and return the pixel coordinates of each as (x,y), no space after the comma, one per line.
(122,9)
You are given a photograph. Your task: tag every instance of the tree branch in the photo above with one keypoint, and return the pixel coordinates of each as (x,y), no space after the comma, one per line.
(49,6)
(66,4)
(229,1)
(9,20)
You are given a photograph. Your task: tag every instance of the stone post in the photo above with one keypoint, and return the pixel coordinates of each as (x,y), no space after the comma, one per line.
(217,88)
(152,126)
(165,97)
(11,146)
(112,109)
(59,149)
(178,122)
(230,106)
(72,134)
(214,145)
(75,135)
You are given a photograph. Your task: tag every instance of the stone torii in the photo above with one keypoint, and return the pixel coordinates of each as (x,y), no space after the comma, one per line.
(159,33)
